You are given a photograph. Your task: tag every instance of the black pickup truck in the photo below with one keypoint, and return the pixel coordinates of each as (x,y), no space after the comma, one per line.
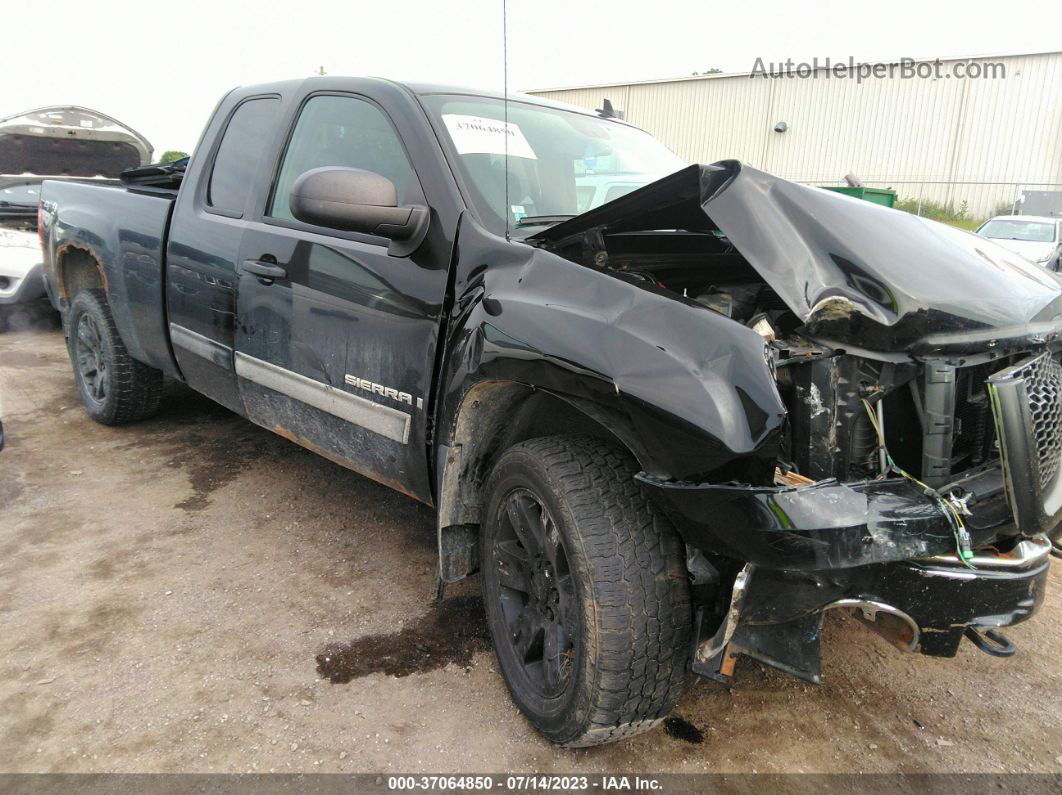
(668,424)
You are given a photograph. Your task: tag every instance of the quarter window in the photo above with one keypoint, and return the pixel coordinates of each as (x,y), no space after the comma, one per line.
(344,132)
(236,162)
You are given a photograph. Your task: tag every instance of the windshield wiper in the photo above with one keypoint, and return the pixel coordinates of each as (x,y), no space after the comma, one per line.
(542,220)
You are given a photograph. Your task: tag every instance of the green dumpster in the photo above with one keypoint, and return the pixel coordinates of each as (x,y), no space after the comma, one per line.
(882,196)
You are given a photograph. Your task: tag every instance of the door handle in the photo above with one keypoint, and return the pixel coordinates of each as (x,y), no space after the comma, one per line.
(267,272)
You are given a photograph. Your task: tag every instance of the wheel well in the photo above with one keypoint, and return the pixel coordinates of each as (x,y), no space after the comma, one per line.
(78,270)
(493,417)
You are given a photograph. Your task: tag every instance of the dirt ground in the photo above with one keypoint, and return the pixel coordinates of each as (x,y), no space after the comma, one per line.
(196,594)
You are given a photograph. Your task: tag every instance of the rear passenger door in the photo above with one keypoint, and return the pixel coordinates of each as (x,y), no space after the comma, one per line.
(204,247)
(337,350)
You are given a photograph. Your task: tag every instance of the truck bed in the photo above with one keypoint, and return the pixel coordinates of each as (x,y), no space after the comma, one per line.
(124,229)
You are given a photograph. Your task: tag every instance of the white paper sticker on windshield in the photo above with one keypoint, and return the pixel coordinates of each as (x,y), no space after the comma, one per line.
(474,135)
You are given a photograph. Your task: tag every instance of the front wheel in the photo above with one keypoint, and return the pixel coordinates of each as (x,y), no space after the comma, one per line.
(115,388)
(586,591)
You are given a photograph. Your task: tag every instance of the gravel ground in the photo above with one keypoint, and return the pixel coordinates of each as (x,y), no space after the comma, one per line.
(194,593)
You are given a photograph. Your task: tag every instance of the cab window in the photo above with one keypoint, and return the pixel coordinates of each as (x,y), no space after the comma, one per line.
(346,132)
(239,154)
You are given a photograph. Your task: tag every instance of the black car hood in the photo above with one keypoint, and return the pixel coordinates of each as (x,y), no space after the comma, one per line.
(853,271)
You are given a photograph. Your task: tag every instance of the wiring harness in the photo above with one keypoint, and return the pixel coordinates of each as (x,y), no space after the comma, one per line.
(951,506)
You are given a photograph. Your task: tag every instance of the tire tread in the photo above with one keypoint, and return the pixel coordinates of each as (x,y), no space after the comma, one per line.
(135,387)
(640,591)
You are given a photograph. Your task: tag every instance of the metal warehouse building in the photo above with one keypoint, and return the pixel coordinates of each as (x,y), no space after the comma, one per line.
(949,138)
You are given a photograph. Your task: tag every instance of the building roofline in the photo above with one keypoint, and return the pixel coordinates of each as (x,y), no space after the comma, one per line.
(723,75)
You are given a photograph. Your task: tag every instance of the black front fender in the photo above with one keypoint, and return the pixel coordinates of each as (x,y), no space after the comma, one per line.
(693,387)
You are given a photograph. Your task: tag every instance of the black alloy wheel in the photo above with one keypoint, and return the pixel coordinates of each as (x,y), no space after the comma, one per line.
(90,360)
(115,388)
(536,593)
(585,589)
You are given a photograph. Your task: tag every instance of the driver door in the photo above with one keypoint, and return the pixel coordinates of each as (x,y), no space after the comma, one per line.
(335,338)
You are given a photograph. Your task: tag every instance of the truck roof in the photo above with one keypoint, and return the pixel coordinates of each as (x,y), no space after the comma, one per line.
(352,83)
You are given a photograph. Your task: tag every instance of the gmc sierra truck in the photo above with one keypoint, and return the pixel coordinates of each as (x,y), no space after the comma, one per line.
(667,430)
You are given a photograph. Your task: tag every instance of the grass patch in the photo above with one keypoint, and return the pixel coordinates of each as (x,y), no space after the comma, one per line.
(947,213)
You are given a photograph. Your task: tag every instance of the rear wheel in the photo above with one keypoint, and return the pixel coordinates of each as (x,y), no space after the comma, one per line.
(115,388)
(586,591)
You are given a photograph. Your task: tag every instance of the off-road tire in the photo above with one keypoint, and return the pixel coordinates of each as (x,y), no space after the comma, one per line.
(632,601)
(132,389)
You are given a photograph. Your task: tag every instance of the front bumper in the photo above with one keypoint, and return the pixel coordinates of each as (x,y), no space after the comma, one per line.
(19,288)
(830,525)
(922,605)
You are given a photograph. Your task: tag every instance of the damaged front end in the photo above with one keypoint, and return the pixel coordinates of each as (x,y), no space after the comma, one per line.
(919,470)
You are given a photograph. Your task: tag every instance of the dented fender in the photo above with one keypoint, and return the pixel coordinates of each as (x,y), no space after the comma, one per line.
(694,389)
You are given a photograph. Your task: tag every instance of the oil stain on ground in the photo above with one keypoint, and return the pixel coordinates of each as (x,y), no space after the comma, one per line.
(451,632)
(682,729)
(213,462)
(213,447)
(207,442)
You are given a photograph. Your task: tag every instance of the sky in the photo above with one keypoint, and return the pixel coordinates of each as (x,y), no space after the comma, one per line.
(160,67)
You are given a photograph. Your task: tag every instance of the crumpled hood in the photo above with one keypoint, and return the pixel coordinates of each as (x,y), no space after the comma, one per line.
(853,271)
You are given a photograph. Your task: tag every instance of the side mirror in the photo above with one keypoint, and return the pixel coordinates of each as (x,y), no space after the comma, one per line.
(355,200)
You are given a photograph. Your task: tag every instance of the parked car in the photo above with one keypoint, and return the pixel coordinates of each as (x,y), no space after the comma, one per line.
(1037,238)
(596,189)
(21,265)
(672,429)
(60,142)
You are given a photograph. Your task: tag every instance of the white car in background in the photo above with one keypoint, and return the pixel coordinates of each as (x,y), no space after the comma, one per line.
(593,190)
(1038,238)
(21,276)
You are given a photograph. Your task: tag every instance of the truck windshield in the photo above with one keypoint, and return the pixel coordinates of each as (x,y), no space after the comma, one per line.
(560,163)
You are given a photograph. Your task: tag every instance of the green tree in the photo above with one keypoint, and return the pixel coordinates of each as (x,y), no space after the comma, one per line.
(172,155)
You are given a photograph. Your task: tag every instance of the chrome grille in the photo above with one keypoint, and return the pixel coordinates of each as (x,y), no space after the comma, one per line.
(1043,387)
(1027,407)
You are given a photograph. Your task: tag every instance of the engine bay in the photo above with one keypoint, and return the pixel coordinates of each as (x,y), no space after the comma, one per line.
(704,269)
(846,406)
